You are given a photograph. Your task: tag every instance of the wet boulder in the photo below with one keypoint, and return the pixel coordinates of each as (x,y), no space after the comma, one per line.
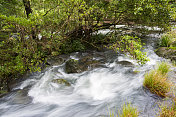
(61,81)
(20,96)
(125,63)
(78,66)
(88,62)
(72,66)
(169,53)
(56,60)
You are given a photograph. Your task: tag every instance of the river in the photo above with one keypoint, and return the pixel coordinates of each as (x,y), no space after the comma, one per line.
(93,93)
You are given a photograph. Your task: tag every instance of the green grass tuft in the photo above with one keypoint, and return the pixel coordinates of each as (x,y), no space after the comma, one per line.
(168,111)
(168,39)
(163,67)
(156,80)
(157,83)
(127,111)
(165,41)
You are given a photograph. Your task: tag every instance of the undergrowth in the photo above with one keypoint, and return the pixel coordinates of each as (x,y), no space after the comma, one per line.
(129,45)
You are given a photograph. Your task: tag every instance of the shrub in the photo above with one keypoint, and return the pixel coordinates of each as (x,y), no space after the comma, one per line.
(132,46)
(16,58)
(157,83)
(72,45)
(163,67)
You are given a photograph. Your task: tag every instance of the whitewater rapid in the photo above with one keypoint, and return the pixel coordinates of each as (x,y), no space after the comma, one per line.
(91,94)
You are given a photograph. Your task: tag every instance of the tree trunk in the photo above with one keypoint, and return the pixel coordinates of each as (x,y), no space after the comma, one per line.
(27,6)
(28,10)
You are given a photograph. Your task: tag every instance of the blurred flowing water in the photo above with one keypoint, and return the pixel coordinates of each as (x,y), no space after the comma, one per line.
(91,94)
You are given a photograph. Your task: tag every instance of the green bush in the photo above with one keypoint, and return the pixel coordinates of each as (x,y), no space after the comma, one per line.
(130,45)
(99,39)
(18,57)
(72,46)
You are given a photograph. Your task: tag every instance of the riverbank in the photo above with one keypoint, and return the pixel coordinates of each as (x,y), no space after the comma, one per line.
(108,78)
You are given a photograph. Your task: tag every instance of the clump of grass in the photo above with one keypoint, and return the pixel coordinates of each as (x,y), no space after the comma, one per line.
(167,39)
(127,111)
(168,111)
(157,83)
(163,67)
(112,114)
(136,71)
(156,80)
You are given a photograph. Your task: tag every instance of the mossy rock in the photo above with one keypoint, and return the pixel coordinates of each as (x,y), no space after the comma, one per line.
(78,66)
(61,81)
(56,60)
(86,59)
(87,62)
(3,92)
(167,52)
(72,66)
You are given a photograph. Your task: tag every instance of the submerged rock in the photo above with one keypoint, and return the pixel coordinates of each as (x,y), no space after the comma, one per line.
(169,53)
(56,60)
(78,66)
(125,63)
(20,96)
(135,72)
(72,66)
(88,62)
(61,81)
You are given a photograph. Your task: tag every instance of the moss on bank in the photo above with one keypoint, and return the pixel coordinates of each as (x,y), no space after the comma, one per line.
(167,45)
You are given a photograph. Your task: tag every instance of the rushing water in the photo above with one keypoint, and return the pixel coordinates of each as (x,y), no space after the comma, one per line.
(91,94)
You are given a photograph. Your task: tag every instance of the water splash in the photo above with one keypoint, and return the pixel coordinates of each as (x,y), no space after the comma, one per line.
(90,93)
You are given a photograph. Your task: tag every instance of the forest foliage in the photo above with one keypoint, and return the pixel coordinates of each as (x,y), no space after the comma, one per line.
(33,29)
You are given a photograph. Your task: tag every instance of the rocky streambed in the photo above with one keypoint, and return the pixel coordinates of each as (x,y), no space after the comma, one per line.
(85,84)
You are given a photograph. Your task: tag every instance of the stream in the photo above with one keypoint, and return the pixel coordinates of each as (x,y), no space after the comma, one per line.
(92,93)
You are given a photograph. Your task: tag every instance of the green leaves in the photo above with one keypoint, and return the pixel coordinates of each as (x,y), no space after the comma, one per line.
(62,23)
(18,57)
(132,46)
